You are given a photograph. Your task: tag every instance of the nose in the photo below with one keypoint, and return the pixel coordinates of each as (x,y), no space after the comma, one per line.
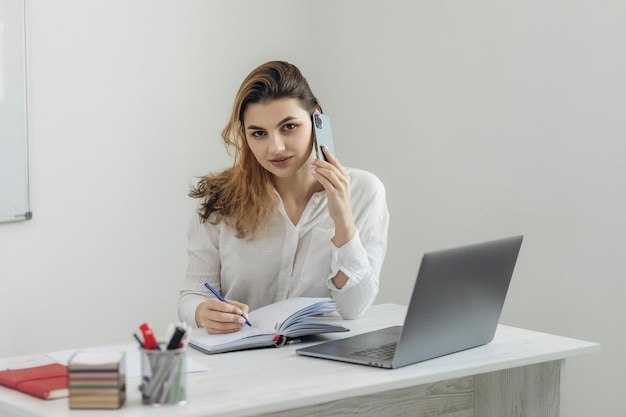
(277,144)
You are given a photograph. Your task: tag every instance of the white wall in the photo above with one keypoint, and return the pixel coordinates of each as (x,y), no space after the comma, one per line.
(484,119)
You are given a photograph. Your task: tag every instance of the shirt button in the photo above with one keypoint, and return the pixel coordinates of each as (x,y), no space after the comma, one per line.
(339,262)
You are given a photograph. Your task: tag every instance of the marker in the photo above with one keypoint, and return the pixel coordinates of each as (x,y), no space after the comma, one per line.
(149,340)
(219,297)
(177,337)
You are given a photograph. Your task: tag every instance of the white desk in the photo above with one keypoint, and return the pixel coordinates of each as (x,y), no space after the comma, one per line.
(520,370)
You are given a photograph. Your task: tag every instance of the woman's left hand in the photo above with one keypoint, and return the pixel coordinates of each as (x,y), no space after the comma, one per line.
(336,182)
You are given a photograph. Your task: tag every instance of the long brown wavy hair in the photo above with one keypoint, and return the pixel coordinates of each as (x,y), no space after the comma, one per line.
(242,196)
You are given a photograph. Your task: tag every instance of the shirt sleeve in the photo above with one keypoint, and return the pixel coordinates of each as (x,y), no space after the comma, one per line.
(203,266)
(361,259)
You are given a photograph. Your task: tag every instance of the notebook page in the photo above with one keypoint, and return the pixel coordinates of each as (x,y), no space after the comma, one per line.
(272,316)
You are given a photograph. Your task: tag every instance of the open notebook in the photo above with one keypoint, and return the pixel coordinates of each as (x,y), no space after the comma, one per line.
(272,325)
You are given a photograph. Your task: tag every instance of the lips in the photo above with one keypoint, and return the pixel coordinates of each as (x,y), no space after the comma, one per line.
(280,162)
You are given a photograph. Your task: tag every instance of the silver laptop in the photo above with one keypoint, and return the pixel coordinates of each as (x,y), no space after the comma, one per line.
(456,305)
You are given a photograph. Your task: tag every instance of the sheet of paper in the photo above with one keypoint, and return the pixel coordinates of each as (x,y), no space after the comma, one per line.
(270,316)
(133,359)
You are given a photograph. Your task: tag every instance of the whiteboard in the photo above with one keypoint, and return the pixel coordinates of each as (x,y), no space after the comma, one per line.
(14,194)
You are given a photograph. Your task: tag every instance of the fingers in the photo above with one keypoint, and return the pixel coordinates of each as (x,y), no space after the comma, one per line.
(332,183)
(336,183)
(331,158)
(219,317)
(242,307)
(330,174)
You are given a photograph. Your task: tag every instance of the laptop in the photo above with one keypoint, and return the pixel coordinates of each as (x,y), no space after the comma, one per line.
(456,305)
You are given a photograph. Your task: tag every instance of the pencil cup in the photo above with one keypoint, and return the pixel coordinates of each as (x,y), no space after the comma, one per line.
(164,376)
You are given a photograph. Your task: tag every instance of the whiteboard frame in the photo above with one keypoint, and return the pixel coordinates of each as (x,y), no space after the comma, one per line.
(17,198)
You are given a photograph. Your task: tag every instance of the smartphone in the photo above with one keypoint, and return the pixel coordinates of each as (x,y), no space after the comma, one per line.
(323,134)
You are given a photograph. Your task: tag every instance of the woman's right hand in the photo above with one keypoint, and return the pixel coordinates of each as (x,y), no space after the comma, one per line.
(218,317)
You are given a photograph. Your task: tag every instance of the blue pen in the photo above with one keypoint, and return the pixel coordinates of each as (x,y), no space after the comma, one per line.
(219,297)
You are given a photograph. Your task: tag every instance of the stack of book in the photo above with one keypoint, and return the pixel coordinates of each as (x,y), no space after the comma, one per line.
(97,380)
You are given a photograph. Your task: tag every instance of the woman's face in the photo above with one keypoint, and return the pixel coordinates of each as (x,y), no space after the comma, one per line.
(279,134)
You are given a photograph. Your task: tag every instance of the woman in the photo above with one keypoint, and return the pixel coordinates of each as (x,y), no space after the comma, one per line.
(281,223)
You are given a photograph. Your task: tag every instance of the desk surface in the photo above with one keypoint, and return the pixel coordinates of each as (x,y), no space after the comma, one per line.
(266,380)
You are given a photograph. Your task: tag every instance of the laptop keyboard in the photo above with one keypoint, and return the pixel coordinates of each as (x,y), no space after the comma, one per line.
(380,352)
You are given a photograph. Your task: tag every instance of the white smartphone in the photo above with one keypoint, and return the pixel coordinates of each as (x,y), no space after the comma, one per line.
(323,134)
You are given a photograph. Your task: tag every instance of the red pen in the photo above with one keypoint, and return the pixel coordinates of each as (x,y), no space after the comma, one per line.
(149,340)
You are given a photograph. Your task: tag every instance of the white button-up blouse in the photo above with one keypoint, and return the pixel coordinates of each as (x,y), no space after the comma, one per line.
(287,260)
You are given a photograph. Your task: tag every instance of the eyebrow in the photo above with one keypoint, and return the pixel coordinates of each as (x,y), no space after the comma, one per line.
(285,120)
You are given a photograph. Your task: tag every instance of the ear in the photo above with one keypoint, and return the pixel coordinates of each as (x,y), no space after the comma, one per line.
(318,109)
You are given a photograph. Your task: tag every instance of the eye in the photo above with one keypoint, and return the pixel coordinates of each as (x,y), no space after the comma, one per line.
(290,126)
(257,134)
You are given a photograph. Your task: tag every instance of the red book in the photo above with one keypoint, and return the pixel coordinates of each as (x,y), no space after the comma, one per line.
(46,381)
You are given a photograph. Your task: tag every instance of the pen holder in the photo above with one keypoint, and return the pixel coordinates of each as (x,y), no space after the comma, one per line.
(164,376)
